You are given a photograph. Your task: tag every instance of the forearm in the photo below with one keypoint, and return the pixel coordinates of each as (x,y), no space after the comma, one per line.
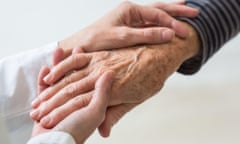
(217,23)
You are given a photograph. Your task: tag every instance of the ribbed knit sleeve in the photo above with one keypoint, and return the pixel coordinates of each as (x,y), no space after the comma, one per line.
(217,22)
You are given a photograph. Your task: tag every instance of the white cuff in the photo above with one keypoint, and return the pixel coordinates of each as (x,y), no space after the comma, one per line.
(18,78)
(56,137)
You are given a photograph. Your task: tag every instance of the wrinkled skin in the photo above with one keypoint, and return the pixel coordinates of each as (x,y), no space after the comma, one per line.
(140,71)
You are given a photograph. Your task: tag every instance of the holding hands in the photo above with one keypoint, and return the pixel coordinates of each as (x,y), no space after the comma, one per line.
(80,80)
(131,24)
(82,122)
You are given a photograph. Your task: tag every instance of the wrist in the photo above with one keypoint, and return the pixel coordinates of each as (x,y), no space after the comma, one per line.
(192,59)
(175,53)
(192,42)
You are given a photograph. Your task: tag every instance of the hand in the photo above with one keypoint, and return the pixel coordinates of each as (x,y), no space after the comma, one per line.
(81,123)
(131,24)
(140,72)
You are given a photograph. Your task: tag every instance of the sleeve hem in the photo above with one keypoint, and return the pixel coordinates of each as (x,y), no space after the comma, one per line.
(55,137)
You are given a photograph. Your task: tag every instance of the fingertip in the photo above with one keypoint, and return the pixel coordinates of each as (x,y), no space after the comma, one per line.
(48,79)
(180,29)
(46,122)
(58,56)
(191,12)
(103,130)
(43,72)
(42,85)
(196,12)
(35,103)
(34,114)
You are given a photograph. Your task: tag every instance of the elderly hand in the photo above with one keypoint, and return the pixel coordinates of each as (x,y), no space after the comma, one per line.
(140,73)
(131,24)
(81,123)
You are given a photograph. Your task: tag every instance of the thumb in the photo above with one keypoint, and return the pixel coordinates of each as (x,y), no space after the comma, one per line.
(113,115)
(102,92)
(83,122)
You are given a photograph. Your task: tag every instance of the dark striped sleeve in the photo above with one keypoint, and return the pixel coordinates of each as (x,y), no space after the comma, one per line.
(217,22)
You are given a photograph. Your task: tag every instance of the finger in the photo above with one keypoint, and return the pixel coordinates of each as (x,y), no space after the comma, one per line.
(180,2)
(152,35)
(98,104)
(160,18)
(52,90)
(63,96)
(74,62)
(113,114)
(83,122)
(58,56)
(152,15)
(176,9)
(58,114)
(66,51)
(103,90)
(41,84)
(77,50)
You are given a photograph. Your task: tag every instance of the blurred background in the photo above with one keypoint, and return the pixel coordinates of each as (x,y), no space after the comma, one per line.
(203,108)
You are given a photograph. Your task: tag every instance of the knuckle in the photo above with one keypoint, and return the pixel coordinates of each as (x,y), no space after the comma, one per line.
(67,80)
(69,91)
(100,57)
(75,59)
(124,34)
(43,96)
(149,34)
(80,101)
(55,115)
(126,4)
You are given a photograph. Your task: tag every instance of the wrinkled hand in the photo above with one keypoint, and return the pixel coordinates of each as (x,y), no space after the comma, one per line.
(81,123)
(131,24)
(140,73)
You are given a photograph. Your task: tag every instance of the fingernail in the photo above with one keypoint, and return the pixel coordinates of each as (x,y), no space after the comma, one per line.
(35,103)
(34,114)
(167,35)
(47,79)
(46,121)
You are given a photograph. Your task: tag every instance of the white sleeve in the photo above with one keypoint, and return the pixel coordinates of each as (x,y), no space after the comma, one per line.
(52,138)
(18,78)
